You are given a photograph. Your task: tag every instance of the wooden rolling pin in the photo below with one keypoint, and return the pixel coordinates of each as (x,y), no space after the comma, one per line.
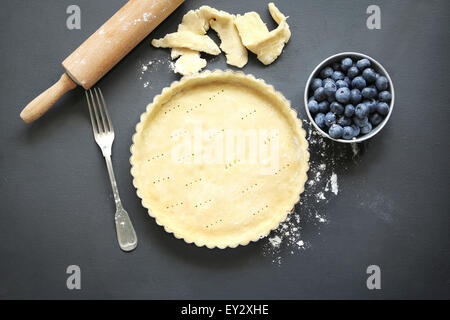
(103,50)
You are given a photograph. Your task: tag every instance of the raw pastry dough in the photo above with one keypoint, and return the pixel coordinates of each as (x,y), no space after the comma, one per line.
(251,28)
(217,204)
(257,38)
(276,14)
(189,63)
(189,40)
(177,52)
(195,21)
(223,24)
(198,22)
(235,33)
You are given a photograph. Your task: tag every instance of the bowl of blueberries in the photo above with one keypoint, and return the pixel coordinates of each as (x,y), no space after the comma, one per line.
(349,97)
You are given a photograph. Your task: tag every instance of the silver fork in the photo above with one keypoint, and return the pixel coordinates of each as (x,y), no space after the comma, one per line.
(104,136)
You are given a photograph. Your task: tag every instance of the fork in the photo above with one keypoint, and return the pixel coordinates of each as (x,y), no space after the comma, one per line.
(104,136)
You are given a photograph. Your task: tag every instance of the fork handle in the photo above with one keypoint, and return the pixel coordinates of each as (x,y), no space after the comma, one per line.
(112,178)
(36,108)
(125,231)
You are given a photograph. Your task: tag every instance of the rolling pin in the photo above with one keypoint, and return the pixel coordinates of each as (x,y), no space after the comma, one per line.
(103,50)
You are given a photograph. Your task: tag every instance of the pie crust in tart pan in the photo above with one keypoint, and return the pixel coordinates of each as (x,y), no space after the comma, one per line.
(219,159)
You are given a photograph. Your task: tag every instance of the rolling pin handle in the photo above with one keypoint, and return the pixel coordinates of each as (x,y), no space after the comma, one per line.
(36,108)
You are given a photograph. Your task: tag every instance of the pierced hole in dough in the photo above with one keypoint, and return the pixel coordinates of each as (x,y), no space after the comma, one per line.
(260,210)
(161,180)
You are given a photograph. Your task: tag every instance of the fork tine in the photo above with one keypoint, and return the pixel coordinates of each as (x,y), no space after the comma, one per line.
(106,110)
(99,125)
(94,126)
(101,107)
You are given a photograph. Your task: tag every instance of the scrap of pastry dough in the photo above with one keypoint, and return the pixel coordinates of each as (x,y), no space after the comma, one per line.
(197,22)
(236,33)
(188,40)
(230,41)
(189,62)
(267,45)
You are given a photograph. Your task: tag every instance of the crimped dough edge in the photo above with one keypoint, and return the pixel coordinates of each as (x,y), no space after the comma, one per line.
(299,186)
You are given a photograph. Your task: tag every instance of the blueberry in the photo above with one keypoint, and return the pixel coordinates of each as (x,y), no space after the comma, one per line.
(349,82)
(359,83)
(371,104)
(360,122)
(330,118)
(331,99)
(383,108)
(355,96)
(316,83)
(382,83)
(337,75)
(367,128)
(335,131)
(337,108)
(343,95)
(344,121)
(369,92)
(375,119)
(326,72)
(341,84)
(324,106)
(347,133)
(330,88)
(313,106)
(336,66)
(369,75)
(346,64)
(363,63)
(349,110)
(320,120)
(385,96)
(356,130)
(327,80)
(361,111)
(352,72)
(319,94)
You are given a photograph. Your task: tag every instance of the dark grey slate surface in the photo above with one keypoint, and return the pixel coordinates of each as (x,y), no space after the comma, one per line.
(57,206)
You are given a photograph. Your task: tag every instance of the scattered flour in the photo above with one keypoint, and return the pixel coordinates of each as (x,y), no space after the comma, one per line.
(334,184)
(148,16)
(322,186)
(355,149)
(275,241)
(172,66)
(153,65)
